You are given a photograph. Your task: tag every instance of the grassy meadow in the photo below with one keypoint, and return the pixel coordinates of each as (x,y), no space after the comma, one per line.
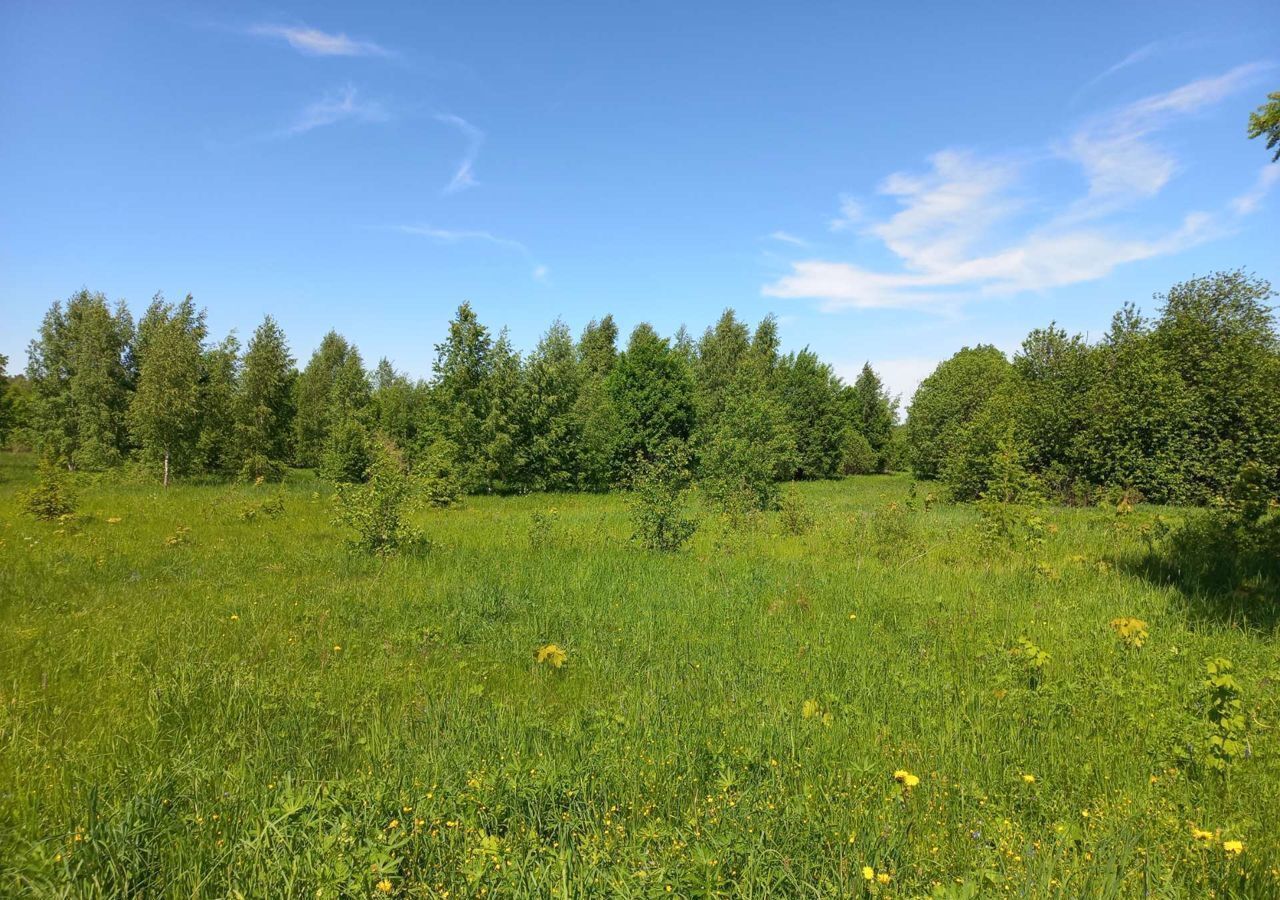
(201,699)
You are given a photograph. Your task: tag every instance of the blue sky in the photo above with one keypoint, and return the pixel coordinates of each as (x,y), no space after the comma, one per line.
(892,180)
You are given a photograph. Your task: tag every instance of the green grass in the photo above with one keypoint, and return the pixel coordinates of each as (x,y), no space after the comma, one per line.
(178,720)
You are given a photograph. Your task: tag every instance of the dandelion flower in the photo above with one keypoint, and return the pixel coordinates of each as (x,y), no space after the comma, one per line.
(1232,848)
(1029,778)
(884,877)
(868,873)
(1201,835)
(905,778)
(384,886)
(551,654)
(337,648)
(235,618)
(810,709)
(114,520)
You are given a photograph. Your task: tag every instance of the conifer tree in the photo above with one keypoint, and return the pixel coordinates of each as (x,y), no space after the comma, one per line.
(460,395)
(216,449)
(873,413)
(264,405)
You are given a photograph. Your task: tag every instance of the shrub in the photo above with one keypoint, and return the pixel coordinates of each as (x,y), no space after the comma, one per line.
(345,456)
(258,468)
(51,497)
(376,509)
(1234,543)
(857,457)
(269,508)
(794,514)
(658,501)
(436,473)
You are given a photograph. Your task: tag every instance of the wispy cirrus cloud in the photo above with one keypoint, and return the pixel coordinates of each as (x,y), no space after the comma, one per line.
(343,105)
(964,227)
(314,42)
(788,238)
(539,271)
(464,174)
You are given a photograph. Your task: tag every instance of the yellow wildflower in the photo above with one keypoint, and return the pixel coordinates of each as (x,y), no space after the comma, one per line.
(1232,848)
(809,709)
(1029,778)
(883,877)
(905,778)
(235,618)
(114,520)
(551,654)
(1201,835)
(337,648)
(868,873)
(384,886)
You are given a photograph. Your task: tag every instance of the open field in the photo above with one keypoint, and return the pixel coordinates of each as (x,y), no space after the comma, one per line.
(246,708)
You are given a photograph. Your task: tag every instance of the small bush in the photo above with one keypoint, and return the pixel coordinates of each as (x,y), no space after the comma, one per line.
(794,514)
(51,497)
(270,508)
(376,509)
(436,473)
(658,501)
(258,468)
(346,453)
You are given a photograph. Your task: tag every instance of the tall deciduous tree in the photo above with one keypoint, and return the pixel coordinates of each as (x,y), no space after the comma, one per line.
(82,372)
(947,401)
(164,416)
(264,405)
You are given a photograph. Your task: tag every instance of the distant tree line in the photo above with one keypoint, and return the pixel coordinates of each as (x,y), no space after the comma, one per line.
(1171,408)
(100,391)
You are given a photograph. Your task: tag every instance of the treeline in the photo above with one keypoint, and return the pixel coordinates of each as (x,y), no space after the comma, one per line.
(100,391)
(1171,409)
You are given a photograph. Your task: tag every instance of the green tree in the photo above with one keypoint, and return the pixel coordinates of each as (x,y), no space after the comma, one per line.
(1265,120)
(551,427)
(332,388)
(81,372)
(719,355)
(396,405)
(873,413)
(264,405)
(651,389)
(216,449)
(751,446)
(947,401)
(460,395)
(594,411)
(810,394)
(6,402)
(502,429)
(1217,334)
(164,415)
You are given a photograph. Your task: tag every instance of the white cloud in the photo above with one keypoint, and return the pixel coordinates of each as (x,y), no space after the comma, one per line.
(1115,151)
(851,215)
(1249,201)
(539,271)
(314,42)
(464,175)
(947,233)
(787,238)
(340,106)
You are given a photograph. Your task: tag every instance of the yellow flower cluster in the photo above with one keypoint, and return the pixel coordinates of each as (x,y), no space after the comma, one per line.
(871,874)
(906,779)
(1133,632)
(551,655)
